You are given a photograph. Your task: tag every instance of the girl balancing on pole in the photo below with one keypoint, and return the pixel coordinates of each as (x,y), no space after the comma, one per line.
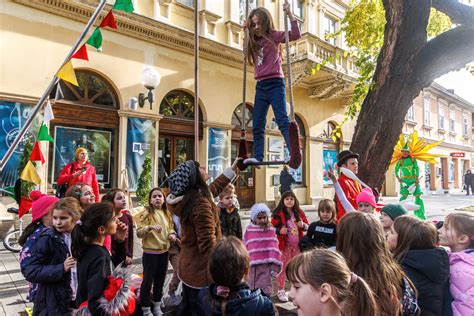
(263,52)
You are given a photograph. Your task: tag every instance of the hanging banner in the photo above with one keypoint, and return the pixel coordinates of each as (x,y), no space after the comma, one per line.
(12,117)
(218,153)
(97,142)
(140,141)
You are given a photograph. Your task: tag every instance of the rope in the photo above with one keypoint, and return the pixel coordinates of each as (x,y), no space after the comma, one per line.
(288,64)
(244,87)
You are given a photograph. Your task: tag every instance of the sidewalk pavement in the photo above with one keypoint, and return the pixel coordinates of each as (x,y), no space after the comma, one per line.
(13,287)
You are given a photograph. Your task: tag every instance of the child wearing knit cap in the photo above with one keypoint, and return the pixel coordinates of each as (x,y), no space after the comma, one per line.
(40,220)
(388,214)
(262,244)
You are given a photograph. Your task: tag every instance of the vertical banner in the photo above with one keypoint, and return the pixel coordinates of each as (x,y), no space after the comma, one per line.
(218,153)
(329,159)
(140,141)
(13,115)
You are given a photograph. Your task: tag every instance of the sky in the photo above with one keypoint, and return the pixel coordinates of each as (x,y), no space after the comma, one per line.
(461,81)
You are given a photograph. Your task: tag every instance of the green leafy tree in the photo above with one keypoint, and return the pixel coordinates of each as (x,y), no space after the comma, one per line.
(401,47)
(144,181)
(26,186)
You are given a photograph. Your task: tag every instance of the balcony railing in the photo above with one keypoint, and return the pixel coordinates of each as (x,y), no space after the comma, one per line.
(312,48)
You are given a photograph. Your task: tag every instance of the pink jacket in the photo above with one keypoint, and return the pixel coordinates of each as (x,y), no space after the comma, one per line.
(462,282)
(262,245)
(88,177)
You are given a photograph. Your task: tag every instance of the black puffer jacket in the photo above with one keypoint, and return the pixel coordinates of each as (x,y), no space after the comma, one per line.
(241,302)
(429,270)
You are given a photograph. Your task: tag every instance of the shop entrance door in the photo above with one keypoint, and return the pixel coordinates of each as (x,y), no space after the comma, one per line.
(245,184)
(172,151)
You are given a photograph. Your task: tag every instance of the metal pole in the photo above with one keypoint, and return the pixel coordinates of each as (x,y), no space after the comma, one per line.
(38,106)
(196,79)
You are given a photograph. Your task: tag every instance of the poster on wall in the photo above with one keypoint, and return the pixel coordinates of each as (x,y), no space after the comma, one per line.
(218,153)
(97,142)
(329,159)
(140,141)
(13,116)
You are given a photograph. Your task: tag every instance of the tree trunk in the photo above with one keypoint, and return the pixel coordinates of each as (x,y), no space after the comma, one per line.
(404,68)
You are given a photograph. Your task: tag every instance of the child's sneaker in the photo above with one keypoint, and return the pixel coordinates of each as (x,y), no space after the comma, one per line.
(147,311)
(282,296)
(157,309)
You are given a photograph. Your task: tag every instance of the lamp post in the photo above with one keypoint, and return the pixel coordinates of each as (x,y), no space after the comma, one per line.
(150,78)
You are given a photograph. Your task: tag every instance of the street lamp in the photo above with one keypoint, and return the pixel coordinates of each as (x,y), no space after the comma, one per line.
(150,78)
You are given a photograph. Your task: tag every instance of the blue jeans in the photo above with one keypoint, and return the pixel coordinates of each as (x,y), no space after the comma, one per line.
(269,91)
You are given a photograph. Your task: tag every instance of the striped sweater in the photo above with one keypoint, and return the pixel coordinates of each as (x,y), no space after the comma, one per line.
(262,245)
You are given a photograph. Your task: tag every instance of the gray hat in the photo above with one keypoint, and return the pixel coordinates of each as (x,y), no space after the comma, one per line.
(182,178)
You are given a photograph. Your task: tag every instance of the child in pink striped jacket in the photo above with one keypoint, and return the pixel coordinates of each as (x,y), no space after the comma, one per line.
(262,244)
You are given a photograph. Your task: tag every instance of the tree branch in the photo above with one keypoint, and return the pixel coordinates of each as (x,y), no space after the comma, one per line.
(458,13)
(449,51)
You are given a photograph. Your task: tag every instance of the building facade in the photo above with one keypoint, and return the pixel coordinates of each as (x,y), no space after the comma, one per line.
(37,35)
(439,114)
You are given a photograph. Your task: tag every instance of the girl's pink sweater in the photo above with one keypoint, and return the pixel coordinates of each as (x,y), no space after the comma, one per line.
(262,245)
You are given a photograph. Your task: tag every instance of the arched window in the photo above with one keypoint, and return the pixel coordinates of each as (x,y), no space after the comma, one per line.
(179,104)
(93,90)
(298,173)
(237,117)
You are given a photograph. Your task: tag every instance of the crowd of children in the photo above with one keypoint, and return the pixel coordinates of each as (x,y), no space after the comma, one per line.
(348,262)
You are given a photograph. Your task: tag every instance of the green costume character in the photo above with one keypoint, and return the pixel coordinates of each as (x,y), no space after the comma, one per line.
(407,173)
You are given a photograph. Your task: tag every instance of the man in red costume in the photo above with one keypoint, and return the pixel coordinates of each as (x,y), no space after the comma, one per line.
(351,188)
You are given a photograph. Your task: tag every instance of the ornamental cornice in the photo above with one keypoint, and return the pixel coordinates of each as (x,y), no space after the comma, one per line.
(143,28)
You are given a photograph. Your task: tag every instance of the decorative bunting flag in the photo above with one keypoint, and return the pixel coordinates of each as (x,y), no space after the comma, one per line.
(25,206)
(67,73)
(96,39)
(36,154)
(43,134)
(29,174)
(123,5)
(109,21)
(81,53)
(59,92)
(48,112)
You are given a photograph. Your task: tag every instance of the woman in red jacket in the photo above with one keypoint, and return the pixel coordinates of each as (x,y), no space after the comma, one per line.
(80,170)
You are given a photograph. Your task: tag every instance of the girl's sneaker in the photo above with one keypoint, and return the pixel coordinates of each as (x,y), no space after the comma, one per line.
(147,311)
(157,309)
(282,296)
(252,161)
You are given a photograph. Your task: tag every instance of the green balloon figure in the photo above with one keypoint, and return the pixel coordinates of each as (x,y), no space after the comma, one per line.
(408,173)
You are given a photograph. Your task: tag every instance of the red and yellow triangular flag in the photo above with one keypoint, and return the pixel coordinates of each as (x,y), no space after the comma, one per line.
(36,154)
(67,73)
(29,174)
(109,21)
(81,53)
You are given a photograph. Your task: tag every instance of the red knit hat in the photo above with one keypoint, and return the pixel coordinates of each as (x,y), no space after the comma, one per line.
(41,204)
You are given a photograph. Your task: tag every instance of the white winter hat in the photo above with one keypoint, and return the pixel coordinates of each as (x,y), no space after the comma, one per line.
(257,209)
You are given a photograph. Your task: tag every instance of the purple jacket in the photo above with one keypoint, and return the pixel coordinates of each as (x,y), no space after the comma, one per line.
(268,60)
(462,282)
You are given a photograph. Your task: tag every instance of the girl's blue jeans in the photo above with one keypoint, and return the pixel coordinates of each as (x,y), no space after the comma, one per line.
(269,91)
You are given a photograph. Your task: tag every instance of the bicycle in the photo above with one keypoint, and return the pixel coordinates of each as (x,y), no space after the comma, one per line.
(11,238)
